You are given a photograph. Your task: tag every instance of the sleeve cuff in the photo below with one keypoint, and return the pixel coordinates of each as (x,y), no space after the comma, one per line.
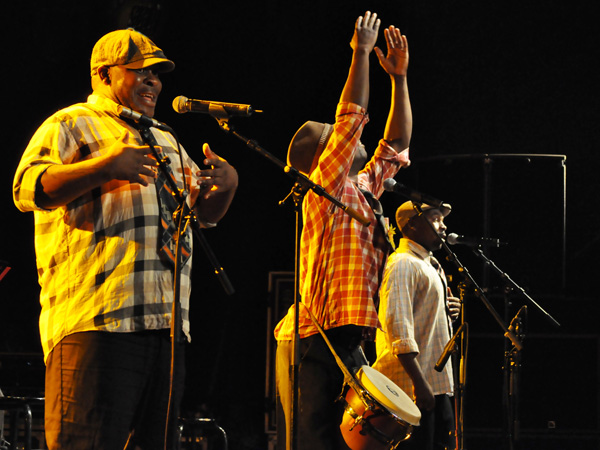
(403,346)
(387,152)
(25,191)
(349,108)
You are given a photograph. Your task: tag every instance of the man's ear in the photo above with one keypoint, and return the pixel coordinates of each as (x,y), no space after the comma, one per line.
(104,74)
(410,225)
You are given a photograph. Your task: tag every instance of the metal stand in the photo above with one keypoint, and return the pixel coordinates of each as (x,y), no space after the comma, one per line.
(512,360)
(302,185)
(20,405)
(183,217)
(512,370)
(460,371)
(201,434)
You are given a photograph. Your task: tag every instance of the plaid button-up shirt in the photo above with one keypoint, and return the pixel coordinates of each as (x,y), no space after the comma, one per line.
(97,257)
(339,262)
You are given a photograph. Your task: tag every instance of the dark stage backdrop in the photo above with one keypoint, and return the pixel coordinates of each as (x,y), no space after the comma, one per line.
(486,78)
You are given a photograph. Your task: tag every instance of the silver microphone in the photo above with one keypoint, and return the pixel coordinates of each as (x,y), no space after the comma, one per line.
(183,105)
(456,239)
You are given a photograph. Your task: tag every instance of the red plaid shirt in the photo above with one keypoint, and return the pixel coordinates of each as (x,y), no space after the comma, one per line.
(339,264)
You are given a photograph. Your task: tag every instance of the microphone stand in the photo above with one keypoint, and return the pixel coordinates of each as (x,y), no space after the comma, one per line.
(510,397)
(302,185)
(459,366)
(512,363)
(183,217)
(512,285)
(302,179)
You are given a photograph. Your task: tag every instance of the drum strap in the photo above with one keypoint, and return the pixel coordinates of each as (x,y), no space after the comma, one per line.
(349,379)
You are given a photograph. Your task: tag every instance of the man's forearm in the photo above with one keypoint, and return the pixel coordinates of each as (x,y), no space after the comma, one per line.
(356,89)
(61,184)
(398,129)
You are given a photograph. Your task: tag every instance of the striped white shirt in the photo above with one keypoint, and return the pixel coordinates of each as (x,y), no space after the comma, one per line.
(413,315)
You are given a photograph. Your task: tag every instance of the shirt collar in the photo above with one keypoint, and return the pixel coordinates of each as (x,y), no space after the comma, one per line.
(411,246)
(103,103)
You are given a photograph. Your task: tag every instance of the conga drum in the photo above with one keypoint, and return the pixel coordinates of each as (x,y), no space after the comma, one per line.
(378,414)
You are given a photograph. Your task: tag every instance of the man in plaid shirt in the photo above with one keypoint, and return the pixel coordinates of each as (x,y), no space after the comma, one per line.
(106,278)
(341,258)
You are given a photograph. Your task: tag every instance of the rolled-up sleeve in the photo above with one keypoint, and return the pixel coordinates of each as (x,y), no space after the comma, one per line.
(51,144)
(399,316)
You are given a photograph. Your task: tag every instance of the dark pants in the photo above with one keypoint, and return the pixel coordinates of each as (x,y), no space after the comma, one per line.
(436,431)
(320,383)
(101,386)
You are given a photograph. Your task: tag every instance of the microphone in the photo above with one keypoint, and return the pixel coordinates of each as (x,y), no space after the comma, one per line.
(515,323)
(516,327)
(391,185)
(448,349)
(183,105)
(455,239)
(142,119)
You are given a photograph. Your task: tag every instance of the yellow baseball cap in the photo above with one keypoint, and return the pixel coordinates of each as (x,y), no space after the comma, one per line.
(128,48)
(407,211)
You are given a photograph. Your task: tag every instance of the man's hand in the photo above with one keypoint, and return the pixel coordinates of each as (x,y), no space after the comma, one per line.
(366,30)
(221,177)
(424,397)
(454,306)
(129,162)
(396,61)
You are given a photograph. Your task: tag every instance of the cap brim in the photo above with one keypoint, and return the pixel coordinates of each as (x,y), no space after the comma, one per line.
(163,65)
(444,208)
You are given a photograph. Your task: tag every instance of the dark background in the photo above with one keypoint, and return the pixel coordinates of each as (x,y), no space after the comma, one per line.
(504,105)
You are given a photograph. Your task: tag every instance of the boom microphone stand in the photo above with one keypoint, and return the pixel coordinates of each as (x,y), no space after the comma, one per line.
(183,217)
(302,185)
(512,362)
(508,333)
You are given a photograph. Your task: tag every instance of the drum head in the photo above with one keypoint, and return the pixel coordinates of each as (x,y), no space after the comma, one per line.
(389,394)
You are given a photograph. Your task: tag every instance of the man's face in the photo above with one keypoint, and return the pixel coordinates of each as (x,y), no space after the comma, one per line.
(429,235)
(137,89)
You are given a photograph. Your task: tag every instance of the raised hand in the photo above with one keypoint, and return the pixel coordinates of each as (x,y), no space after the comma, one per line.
(395,63)
(366,30)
